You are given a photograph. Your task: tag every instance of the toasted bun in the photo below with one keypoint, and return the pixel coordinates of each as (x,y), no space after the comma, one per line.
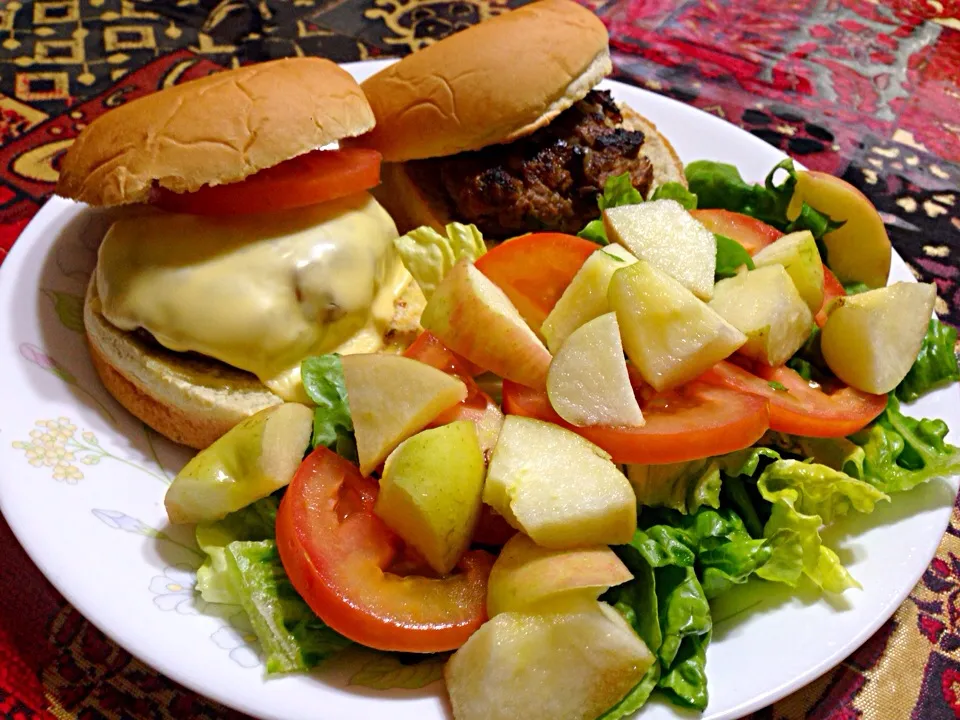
(492,83)
(214,130)
(188,398)
(414,197)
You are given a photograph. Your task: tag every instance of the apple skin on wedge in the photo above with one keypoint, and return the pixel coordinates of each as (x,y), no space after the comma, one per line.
(250,461)
(392,397)
(474,318)
(588,382)
(527,577)
(558,488)
(871,340)
(573,664)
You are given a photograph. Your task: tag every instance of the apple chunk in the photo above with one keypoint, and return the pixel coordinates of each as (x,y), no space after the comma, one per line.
(588,382)
(860,250)
(561,490)
(765,305)
(669,335)
(664,234)
(586,296)
(527,576)
(473,317)
(799,256)
(391,398)
(430,492)
(871,340)
(574,665)
(250,461)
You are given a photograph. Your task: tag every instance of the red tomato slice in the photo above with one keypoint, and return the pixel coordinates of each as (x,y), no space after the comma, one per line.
(832,289)
(749,232)
(803,408)
(429,349)
(337,554)
(534,270)
(312,178)
(693,421)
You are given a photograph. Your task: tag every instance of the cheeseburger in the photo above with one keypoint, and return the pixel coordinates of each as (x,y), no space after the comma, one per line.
(243,246)
(499,125)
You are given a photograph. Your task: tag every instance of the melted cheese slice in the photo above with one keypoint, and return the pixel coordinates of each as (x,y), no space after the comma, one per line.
(260,292)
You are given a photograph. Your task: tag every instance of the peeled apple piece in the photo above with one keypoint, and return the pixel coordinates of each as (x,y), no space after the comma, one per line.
(669,335)
(664,234)
(799,256)
(588,382)
(253,459)
(586,296)
(765,305)
(566,665)
(871,340)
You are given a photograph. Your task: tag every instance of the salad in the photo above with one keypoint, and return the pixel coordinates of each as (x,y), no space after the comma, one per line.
(594,438)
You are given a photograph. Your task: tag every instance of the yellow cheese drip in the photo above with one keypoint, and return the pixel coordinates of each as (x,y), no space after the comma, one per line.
(259,292)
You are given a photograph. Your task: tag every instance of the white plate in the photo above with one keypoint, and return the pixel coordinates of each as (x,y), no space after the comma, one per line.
(82,484)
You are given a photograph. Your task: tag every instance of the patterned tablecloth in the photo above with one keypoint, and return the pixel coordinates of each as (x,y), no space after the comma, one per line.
(866,90)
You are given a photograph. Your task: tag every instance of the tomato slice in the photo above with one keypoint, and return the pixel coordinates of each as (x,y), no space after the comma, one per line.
(429,349)
(492,528)
(534,270)
(803,408)
(338,554)
(832,289)
(753,234)
(308,179)
(693,421)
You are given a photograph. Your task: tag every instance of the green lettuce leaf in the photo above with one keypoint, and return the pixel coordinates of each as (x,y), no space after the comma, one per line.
(731,256)
(719,185)
(856,288)
(675,191)
(936,364)
(429,256)
(901,452)
(322,378)
(686,681)
(257,521)
(291,635)
(685,486)
(804,497)
(836,453)
(617,190)
(662,545)
(683,609)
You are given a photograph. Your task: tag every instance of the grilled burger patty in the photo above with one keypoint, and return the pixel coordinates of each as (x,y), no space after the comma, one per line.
(550,179)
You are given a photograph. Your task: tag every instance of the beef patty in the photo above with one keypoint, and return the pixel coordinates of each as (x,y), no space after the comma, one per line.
(550,179)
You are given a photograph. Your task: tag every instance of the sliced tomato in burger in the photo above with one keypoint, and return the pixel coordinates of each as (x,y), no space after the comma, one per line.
(534,270)
(308,179)
(753,234)
(340,556)
(797,406)
(693,421)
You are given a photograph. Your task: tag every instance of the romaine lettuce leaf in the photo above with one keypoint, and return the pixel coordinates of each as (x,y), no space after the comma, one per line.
(322,378)
(662,545)
(636,698)
(731,256)
(617,190)
(684,486)
(683,609)
(719,185)
(686,681)
(429,256)
(675,191)
(935,365)
(293,638)
(254,522)
(901,452)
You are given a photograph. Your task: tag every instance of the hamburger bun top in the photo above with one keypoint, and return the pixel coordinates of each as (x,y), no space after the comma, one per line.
(491,83)
(213,131)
